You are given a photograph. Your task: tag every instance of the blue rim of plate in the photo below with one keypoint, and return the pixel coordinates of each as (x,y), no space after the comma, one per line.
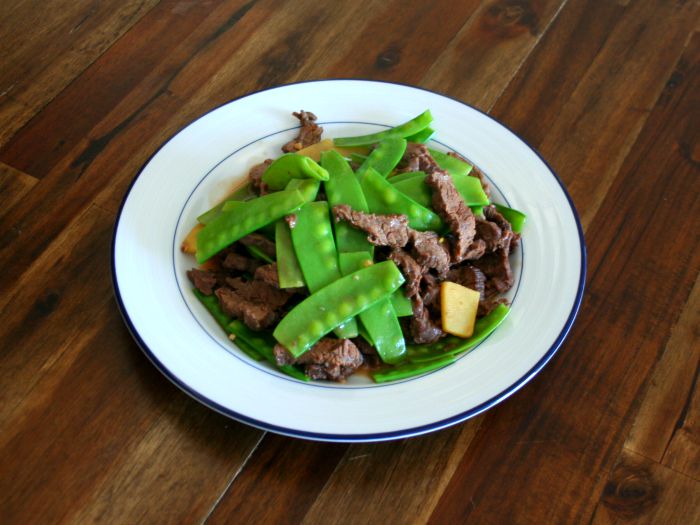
(380,436)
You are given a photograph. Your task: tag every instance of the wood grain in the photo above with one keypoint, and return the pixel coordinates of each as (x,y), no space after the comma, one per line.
(606,433)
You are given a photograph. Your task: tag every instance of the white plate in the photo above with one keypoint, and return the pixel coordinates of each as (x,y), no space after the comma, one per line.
(195,168)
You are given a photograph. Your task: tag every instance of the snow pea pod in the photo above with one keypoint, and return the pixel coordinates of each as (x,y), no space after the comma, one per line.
(410,370)
(400,177)
(312,238)
(343,188)
(231,225)
(259,254)
(263,343)
(384,157)
(382,197)
(401,303)
(404,130)
(307,187)
(243,193)
(380,319)
(422,136)
(334,304)
(468,187)
(455,345)
(292,166)
(450,164)
(288,271)
(514,217)
(211,303)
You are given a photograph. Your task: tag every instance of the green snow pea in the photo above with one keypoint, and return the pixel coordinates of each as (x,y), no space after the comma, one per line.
(400,177)
(288,271)
(292,166)
(334,304)
(382,197)
(342,187)
(307,187)
(450,164)
(379,320)
(455,345)
(211,303)
(401,303)
(264,344)
(468,187)
(514,217)
(404,130)
(259,254)
(478,210)
(410,369)
(312,238)
(357,158)
(231,225)
(384,157)
(422,136)
(243,193)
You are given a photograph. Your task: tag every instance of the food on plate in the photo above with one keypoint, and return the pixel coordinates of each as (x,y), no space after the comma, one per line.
(371,252)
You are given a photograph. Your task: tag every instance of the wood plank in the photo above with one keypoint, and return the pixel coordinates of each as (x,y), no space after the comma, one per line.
(611,85)
(665,406)
(62,44)
(272,488)
(569,424)
(490,48)
(642,491)
(13,186)
(401,479)
(133,433)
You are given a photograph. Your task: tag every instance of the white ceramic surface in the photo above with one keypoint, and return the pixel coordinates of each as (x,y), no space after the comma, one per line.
(196,168)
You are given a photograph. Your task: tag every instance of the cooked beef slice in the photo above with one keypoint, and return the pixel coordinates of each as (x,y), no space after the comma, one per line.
(261,242)
(469,276)
(255,175)
(267,273)
(256,315)
(332,359)
(430,292)
(429,252)
(489,232)
(310,132)
(204,281)
(240,263)
(451,207)
(417,158)
(258,291)
(496,268)
(423,330)
(411,270)
(291,220)
(507,234)
(382,230)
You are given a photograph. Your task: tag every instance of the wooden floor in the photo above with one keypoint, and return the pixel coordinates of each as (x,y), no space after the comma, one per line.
(609,93)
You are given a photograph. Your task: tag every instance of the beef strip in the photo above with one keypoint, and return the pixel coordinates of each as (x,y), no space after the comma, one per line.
(261,242)
(332,359)
(423,330)
(411,270)
(469,276)
(258,291)
(429,252)
(240,263)
(494,217)
(310,132)
(255,175)
(451,207)
(383,230)
(204,281)
(417,158)
(489,232)
(431,293)
(475,172)
(291,220)
(496,268)
(257,316)
(267,273)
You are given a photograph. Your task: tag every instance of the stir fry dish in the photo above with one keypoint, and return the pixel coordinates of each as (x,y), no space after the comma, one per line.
(370,253)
